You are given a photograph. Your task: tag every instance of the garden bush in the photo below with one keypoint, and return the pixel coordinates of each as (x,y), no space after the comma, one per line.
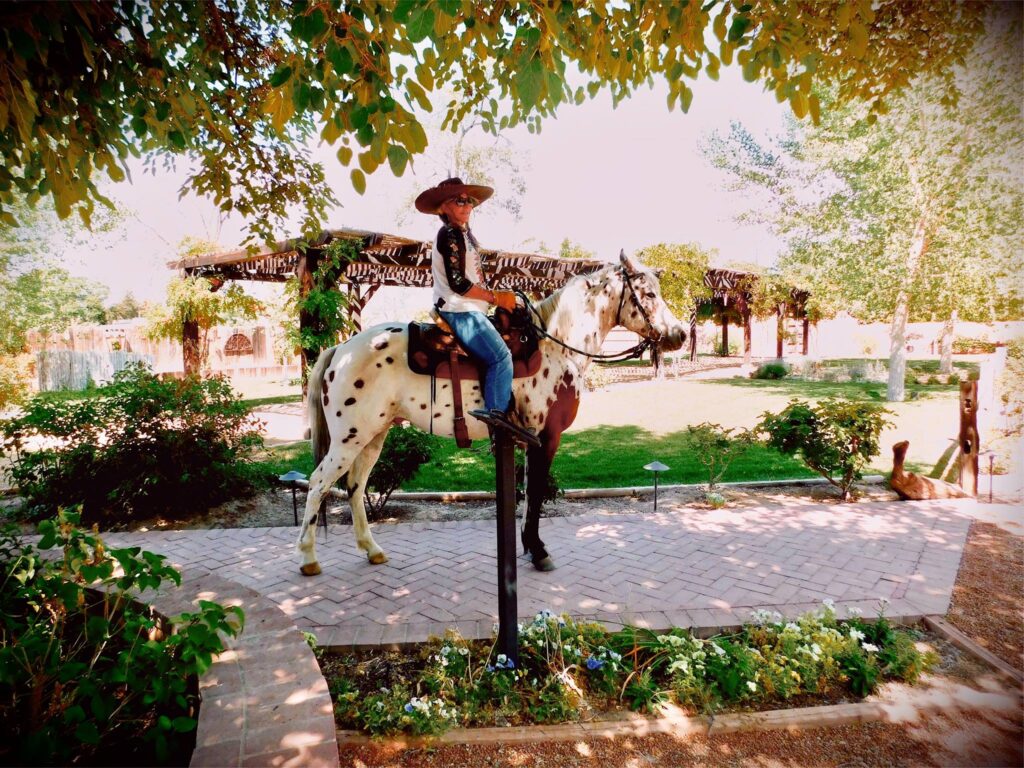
(835,438)
(86,670)
(405,450)
(568,668)
(717,448)
(141,446)
(776,370)
(963,345)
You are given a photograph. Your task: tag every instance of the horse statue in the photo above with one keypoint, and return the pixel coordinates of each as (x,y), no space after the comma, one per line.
(360,388)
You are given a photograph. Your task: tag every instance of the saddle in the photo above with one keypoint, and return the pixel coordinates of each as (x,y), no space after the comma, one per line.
(434,351)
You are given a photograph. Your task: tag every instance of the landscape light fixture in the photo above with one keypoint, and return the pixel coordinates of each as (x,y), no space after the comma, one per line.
(292,478)
(655,467)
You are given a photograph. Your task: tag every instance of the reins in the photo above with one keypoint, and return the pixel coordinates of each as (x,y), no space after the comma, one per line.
(627,354)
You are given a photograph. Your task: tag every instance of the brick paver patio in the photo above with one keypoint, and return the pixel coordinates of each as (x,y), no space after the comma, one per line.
(679,567)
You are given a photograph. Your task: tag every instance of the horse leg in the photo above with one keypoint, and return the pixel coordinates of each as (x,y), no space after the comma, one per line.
(538,467)
(356,483)
(333,466)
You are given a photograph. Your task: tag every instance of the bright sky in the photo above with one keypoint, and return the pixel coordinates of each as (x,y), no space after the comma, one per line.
(605,178)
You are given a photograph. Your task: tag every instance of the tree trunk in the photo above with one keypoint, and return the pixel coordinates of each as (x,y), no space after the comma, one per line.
(946,345)
(190,347)
(896,389)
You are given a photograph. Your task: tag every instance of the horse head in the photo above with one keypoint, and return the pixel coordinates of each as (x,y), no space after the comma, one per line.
(643,310)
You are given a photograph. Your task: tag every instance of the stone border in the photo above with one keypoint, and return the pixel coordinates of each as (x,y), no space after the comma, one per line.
(264,700)
(677,723)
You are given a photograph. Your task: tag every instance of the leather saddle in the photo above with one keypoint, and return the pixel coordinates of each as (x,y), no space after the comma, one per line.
(434,351)
(431,347)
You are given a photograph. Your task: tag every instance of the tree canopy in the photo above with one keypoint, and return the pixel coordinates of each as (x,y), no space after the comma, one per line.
(918,215)
(237,87)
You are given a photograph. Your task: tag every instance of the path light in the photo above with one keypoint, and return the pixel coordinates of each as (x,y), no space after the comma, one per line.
(655,467)
(292,478)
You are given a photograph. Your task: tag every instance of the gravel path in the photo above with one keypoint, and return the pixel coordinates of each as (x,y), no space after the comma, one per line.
(987,605)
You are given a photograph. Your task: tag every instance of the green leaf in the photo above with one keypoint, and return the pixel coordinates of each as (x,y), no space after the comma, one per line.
(739,26)
(340,57)
(529,83)
(308,27)
(358,181)
(163,109)
(280,76)
(183,724)
(420,25)
(402,10)
(450,7)
(87,733)
(177,139)
(397,159)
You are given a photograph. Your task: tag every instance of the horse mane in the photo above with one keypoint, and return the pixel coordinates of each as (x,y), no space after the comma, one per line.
(548,306)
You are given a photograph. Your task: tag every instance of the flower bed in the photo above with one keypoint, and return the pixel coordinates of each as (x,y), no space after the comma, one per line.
(568,671)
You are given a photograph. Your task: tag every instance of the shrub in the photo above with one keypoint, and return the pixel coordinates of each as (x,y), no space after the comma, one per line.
(770,371)
(1011,388)
(83,665)
(14,379)
(405,450)
(963,345)
(141,446)
(717,447)
(835,438)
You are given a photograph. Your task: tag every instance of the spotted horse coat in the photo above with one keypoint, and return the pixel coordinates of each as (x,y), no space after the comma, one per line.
(361,388)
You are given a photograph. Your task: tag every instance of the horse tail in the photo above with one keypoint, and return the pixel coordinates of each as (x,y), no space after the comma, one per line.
(319,436)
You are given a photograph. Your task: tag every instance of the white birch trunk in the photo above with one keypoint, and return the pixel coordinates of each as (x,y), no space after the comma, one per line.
(946,345)
(896,389)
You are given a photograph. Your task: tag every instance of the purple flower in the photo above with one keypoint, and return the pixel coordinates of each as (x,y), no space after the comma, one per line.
(593,663)
(408,707)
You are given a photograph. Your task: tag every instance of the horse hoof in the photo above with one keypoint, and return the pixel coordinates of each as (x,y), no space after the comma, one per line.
(544,564)
(310,569)
(377,559)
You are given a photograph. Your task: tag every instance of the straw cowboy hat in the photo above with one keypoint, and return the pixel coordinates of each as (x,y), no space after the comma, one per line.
(432,200)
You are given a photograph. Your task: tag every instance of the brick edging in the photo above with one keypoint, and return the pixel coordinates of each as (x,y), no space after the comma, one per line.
(264,699)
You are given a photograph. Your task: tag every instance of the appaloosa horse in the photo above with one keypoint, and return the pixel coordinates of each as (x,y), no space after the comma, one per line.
(358,389)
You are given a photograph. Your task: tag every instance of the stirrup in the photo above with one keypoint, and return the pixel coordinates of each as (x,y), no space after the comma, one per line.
(499,420)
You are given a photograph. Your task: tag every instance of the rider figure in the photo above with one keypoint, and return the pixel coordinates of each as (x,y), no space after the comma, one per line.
(462,299)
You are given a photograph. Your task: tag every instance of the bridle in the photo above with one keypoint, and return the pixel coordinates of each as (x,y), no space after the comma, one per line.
(635,351)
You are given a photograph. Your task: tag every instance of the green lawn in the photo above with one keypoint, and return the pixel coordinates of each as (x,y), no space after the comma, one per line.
(603,457)
(622,428)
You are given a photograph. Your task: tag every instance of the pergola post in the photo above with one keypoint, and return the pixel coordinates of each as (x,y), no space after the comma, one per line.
(807,335)
(693,336)
(725,335)
(748,332)
(305,269)
(779,331)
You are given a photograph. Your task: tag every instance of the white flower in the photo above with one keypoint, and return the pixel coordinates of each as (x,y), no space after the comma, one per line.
(791,627)
(829,603)
(882,603)
(751,685)
(854,611)
(463,651)
(502,658)
(445,650)
(718,649)
(869,647)
(856,634)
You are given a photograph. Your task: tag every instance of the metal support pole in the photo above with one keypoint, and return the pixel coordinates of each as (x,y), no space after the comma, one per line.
(508,641)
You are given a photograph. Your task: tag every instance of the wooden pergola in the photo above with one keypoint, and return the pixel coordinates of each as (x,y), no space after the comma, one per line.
(392,260)
(731,298)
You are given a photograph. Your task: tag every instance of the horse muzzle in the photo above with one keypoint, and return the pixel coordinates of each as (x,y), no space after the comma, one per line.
(673,339)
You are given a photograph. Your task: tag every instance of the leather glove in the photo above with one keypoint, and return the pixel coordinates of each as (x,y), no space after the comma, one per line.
(505,299)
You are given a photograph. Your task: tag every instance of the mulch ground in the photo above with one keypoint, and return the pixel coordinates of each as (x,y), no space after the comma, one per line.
(987,605)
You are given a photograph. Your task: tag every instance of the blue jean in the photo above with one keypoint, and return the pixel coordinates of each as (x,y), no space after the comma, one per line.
(475,332)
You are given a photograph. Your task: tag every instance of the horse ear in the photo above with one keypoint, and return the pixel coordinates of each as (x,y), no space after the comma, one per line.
(630,264)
